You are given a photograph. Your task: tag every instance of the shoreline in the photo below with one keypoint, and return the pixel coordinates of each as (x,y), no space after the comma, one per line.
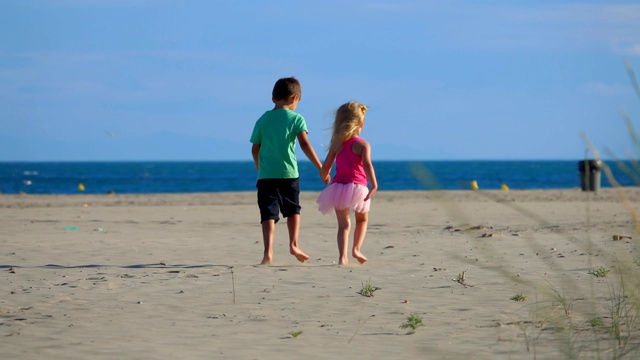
(632,193)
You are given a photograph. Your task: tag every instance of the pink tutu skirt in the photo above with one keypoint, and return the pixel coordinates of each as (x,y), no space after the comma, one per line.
(342,196)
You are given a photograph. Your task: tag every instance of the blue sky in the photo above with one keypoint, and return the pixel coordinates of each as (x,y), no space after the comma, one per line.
(186,80)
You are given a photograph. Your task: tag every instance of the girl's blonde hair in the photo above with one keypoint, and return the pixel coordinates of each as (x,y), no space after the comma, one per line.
(347,124)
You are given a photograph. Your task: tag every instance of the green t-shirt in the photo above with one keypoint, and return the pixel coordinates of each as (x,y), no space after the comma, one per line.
(276,132)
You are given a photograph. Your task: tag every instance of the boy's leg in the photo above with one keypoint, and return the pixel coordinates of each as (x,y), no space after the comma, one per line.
(268,232)
(344,225)
(269,209)
(362,220)
(293,224)
(290,207)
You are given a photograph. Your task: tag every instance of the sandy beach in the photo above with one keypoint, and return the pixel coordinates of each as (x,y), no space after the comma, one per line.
(176,276)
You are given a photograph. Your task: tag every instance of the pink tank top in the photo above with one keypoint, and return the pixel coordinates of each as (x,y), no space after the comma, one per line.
(349,168)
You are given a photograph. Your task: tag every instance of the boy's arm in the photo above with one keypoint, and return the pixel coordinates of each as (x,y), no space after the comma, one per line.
(305,145)
(255,151)
(326,166)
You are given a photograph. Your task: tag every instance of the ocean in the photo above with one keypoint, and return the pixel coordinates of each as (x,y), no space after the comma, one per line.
(222,176)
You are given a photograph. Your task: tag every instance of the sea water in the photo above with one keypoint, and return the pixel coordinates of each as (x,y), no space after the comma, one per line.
(222,176)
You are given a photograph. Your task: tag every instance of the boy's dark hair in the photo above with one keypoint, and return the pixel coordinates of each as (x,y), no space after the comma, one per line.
(285,88)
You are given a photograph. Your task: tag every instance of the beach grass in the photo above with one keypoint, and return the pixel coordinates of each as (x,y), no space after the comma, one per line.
(614,331)
(580,320)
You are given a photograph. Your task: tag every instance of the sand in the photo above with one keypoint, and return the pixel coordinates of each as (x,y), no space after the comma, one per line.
(176,276)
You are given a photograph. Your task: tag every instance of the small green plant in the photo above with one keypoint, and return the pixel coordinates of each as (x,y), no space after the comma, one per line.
(460,278)
(518,297)
(368,289)
(595,321)
(295,334)
(637,261)
(599,271)
(414,321)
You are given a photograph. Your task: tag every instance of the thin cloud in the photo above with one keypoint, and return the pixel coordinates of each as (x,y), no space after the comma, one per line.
(612,27)
(617,25)
(601,88)
(104,3)
(627,49)
(389,6)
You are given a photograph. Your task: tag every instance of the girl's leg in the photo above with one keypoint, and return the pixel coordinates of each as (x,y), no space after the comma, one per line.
(344,225)
(362,220)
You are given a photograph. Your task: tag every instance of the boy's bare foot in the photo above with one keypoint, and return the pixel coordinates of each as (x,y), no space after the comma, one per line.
(295,251)
(267,257)
(359,256)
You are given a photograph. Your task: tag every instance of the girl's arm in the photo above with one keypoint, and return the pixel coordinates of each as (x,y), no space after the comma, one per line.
(364,150)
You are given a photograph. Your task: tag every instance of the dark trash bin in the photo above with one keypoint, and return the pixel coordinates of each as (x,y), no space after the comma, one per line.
(590,174)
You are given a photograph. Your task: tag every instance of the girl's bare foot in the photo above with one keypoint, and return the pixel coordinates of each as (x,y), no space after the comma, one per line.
(359,256)
(343,260)
(301,256)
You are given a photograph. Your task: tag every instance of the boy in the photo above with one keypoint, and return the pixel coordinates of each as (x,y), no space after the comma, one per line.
(274,140)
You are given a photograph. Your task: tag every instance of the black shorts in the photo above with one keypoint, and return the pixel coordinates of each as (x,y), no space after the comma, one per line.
(277,196)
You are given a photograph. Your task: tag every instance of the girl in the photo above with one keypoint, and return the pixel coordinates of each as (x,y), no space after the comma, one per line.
(348,190)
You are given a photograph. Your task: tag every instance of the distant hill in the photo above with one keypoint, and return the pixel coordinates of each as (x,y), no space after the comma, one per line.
(165,146)
(161,146)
